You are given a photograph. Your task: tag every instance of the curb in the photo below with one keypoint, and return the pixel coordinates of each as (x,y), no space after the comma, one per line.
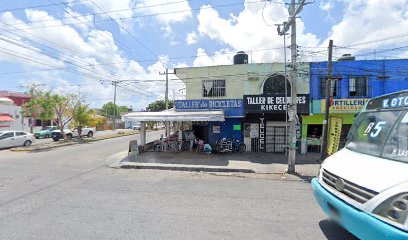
(21,149)
(184,168)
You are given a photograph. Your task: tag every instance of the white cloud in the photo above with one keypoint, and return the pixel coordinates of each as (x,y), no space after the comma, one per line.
(365,21)
(91,56)
(191,38)
(222,57)
(250,31)
(162,9)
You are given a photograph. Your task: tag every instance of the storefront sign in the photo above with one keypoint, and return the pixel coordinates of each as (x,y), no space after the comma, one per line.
(231,107)
(344,105)
(274,103)
(334,134)
(262,134)
(397,100)
(216,129)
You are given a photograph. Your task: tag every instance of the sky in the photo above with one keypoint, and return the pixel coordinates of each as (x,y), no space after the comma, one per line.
(82,46)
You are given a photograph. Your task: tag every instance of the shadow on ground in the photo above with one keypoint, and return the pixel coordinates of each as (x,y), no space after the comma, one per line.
(333,231)
(262,160)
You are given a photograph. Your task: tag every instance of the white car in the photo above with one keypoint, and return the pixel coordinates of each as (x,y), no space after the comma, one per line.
(86,131)
(15,139)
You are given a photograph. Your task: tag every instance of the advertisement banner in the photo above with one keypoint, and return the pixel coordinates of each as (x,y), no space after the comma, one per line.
(344,105)
(335,124)
(231,107)
(274,103)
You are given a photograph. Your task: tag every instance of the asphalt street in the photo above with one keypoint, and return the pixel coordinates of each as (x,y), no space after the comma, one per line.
(70,193)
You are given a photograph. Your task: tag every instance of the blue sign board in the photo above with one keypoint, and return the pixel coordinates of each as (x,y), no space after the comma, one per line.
(231,107)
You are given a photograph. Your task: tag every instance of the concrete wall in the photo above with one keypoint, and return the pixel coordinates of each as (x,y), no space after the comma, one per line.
(394,71)
(241,79)
(19,123)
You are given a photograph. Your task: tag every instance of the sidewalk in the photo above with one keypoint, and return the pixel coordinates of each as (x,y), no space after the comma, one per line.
(261,163)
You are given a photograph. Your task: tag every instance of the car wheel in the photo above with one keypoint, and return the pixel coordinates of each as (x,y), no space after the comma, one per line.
(27,143)
(69,136)
(37,137)
(90,134)
(55,139)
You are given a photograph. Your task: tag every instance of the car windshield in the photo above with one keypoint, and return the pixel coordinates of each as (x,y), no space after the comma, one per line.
(49,128)
(381,134)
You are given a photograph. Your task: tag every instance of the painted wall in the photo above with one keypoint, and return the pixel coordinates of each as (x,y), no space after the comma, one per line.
(384,76)
(241,79)
(19,123)
(226,130)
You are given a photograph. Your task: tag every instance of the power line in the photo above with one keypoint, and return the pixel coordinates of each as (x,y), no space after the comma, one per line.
(40,6)
(132,17)
(130,34)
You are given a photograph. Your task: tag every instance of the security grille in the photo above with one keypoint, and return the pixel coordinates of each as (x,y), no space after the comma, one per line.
(358,86)
(275,139)
(214,88)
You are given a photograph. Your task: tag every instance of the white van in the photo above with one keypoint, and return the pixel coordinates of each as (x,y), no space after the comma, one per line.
(364,186)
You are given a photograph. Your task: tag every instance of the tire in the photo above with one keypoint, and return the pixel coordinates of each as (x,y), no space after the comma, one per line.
(90,134)
(27,143)
(241,147)
(69,136)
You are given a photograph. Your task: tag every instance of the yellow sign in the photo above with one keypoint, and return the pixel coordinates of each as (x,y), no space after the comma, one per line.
(334,134)
(344,105)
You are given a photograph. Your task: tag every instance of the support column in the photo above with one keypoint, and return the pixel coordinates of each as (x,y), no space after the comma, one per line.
(142,134)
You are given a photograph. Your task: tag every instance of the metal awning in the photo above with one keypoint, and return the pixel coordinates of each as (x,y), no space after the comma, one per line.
(173,116)
(6,119)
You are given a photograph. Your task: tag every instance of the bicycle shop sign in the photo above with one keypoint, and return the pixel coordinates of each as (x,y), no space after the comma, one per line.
(231,107)
(273,103)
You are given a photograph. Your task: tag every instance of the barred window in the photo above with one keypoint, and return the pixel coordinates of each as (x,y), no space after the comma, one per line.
(334,90)
(358,86)
(214,88)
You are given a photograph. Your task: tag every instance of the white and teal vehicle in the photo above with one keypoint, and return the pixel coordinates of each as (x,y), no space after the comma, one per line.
(364,186)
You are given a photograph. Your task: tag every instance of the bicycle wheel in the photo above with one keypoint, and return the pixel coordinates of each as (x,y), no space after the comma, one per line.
(241,147)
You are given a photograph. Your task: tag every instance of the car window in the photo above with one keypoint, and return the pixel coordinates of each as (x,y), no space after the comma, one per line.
(397,145)
(7,135)
(20,133)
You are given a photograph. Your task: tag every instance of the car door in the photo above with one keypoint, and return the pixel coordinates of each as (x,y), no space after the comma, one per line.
(20,138)
(7,140)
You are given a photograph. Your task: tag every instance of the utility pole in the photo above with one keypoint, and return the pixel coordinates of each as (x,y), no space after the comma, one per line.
(291,23)
(166,98)
(292,128)
(328,88)
(114,106)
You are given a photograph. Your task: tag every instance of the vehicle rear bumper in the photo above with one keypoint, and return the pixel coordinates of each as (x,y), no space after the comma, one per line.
(359,223)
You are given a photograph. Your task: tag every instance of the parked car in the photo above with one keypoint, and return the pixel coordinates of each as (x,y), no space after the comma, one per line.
(136,127)
(16,139)
(86,131)
(45,133)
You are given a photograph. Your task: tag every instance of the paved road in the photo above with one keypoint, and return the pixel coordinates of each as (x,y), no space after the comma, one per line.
(97,134)
(69,193)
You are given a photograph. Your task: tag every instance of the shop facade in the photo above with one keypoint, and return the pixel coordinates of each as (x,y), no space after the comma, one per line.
(262,127)
(211,131)
(265,123)
(354,83)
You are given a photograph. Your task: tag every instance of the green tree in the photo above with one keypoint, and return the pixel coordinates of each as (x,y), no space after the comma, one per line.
(40,105)
(81,117)
(159,105)
(108,109)
(64,107)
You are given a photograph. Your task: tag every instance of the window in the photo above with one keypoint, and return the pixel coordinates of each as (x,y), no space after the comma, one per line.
(358,86)
(397,145)
(370,130)
(276,85)
(21,133)
(334,90)
(7,135)
(213,88)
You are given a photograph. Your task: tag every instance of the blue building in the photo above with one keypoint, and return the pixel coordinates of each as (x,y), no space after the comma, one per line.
(355,81)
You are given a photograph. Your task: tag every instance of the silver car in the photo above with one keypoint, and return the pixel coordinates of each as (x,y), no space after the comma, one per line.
(15,139)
